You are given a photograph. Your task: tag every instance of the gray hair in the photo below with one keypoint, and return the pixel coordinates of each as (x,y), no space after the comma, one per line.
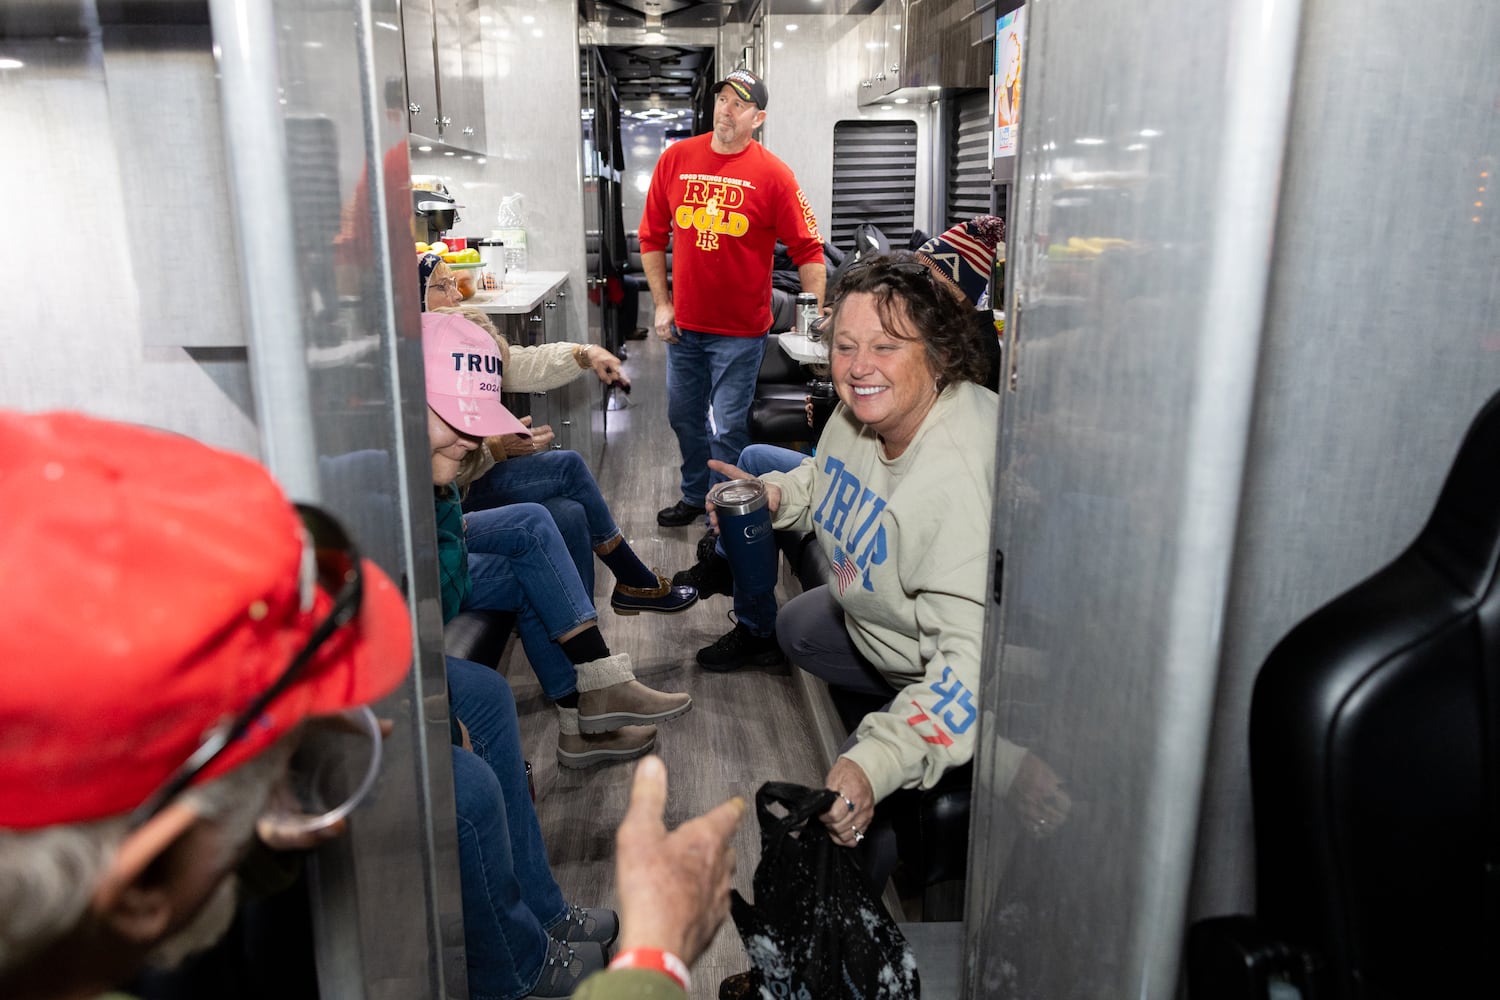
(48,876)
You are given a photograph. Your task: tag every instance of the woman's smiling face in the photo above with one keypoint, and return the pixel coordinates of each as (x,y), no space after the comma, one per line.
(884,380)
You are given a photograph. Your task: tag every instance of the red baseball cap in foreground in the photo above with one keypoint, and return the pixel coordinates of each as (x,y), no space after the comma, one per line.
(150,588)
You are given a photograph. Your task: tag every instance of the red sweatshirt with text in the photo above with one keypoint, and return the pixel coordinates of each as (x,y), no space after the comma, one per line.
(724,215)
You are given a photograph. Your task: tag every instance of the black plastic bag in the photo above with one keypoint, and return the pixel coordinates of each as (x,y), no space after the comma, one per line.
(814,931)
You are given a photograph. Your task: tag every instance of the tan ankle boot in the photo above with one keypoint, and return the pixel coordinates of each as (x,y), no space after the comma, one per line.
(579,750)
(610,697)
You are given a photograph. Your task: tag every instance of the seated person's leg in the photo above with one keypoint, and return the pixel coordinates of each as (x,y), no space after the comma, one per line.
(752,641)
(711,574)
(811,631)
(508,952)
(527,553)
(517,557)
(483,700)
(758,459)
(572,524)
(562,482)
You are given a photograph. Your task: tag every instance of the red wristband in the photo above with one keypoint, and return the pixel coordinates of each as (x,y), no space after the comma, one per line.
(664,962)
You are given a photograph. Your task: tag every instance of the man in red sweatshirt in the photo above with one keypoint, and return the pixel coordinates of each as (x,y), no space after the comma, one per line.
(722,201)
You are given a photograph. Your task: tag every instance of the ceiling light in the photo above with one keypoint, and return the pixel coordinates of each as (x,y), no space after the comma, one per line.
(424,149)
(528,19)
(1088,141)
(775,45)
(791,27)
(886,107)
(448,153)
(11,63)
(1148,133)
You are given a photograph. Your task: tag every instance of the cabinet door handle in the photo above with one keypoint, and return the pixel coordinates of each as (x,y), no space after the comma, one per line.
(414,108)
(469,130)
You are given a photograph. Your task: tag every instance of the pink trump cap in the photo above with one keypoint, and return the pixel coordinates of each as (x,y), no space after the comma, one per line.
(463,377)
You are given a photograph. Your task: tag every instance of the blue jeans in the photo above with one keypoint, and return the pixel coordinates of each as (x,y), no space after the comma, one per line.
(561,482)
(509,894)
(518,562)
(757,612)
(710,385)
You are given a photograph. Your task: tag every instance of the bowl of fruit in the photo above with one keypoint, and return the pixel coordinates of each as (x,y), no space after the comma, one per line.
(464,264)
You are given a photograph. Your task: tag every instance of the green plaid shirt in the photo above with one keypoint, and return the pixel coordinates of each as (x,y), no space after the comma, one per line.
(453,552)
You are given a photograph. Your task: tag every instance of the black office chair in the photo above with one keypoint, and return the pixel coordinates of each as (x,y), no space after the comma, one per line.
(1375,769)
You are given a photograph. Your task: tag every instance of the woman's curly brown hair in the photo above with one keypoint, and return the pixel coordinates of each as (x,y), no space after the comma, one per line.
(904,287)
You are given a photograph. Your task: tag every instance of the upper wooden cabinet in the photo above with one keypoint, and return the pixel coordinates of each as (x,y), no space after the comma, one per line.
(445,71)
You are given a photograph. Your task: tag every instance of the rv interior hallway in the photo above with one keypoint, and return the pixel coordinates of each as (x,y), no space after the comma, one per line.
(745,728)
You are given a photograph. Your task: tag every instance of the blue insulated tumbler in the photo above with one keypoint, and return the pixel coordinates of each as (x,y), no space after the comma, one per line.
(745,531)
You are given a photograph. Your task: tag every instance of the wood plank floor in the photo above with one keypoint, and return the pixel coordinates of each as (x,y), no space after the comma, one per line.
(745,728)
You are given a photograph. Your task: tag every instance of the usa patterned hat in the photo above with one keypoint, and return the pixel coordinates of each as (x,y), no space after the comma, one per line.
(965,254)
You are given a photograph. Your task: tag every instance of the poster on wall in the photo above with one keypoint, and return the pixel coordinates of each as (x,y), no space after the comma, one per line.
(1010,32)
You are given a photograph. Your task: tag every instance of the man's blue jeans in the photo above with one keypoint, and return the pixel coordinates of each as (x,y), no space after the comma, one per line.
(710,385)
(518,562)
(561,482)
(509,894)
(757,612)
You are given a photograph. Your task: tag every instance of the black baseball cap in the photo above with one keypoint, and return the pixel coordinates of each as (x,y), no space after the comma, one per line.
(745,83)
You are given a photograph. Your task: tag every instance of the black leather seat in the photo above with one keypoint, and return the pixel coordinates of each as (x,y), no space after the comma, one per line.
(1375,769)
(635,272)
(777,414)
(479,636)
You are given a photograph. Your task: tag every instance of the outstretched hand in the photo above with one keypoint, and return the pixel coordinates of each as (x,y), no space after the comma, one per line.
(674,887)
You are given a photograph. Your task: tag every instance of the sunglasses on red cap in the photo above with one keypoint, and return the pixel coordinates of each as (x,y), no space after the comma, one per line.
(335,567)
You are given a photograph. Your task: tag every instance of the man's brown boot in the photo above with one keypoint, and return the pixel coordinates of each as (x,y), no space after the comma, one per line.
(610,697)
(579,750)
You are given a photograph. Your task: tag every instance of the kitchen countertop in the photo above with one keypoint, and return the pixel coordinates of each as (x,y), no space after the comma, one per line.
(521,293)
